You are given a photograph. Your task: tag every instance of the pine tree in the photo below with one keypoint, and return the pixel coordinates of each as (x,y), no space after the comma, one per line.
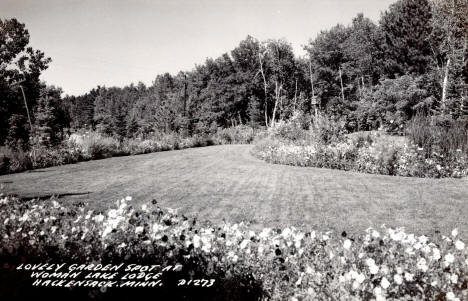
(132,126)
(406,29)
(44,131)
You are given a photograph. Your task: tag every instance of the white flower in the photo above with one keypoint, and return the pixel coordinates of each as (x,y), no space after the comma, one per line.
(409,276)
(375,234)
(99,218)
(423,239)
(360,278)
(128,198)
(138,229)
(397,278)
(297,244)
(426,249)
(299,281)
(347,244)
(455,232)
(411,239)
(459,245)
(399,270)
(144,207)
(286,232)
(377,291)
(374,269)
(312,235)
(384,283)
(325,237)
(309,270)
(355,285)
(454,278)
(265,233)
(196,241)
(450,296)
(449,259)
(435,254)
(260,250)
(244,243)
(380,298)
(422,265)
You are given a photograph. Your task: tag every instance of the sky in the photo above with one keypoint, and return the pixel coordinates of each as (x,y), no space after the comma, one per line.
(117,42)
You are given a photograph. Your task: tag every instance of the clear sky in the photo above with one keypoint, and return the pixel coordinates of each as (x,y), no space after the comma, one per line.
(117,42)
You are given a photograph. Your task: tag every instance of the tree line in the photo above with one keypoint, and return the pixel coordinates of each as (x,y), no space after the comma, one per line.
(365,74)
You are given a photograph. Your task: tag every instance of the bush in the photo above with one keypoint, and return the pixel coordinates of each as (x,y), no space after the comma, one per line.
(15,160)
(329,131)
(439,136)
(240,134)
(92,145)
(271,264)
(61,154)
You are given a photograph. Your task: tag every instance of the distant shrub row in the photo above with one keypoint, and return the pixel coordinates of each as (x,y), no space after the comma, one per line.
(94,145)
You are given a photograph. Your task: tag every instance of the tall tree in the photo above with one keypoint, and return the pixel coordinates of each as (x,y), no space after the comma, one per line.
(450,39)
(406,29)
(18,64)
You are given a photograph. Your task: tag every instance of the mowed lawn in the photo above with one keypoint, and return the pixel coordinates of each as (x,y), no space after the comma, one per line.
(226,183)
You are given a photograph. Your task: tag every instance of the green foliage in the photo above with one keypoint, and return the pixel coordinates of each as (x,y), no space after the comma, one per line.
(439,136)
(395,101)
(19,65)
(18,132)
(406,28)
(50,119)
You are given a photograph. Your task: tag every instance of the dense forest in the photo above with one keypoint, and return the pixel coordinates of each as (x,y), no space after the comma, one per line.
(363,74)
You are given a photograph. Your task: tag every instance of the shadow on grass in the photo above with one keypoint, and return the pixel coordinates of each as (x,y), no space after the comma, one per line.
(49,196)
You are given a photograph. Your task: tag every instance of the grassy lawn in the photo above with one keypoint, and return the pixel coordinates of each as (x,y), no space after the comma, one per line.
(226,182)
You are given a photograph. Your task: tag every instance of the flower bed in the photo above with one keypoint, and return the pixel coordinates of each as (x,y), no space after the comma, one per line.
(379,156)
(275,264)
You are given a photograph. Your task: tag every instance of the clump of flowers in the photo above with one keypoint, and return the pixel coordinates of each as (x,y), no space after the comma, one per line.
(277,264)
(375,153)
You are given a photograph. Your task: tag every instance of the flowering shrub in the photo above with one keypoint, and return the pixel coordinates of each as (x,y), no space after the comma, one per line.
(274,264)
(376,154)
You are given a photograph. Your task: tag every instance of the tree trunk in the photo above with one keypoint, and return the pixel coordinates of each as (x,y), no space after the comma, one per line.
(277,95)
(264,89)
(311,78)
(341,82)
(185,95)
(445,84)
(295,97)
